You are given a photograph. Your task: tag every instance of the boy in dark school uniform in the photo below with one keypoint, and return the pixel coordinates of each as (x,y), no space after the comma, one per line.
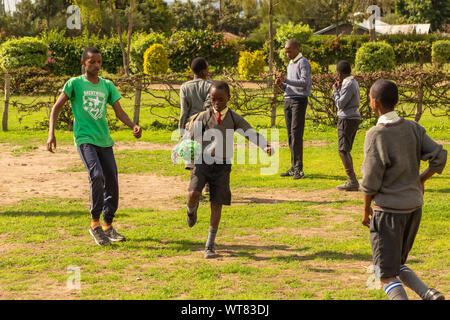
(391,179)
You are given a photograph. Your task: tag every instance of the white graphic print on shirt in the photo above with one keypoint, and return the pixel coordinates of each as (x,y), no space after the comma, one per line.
(94,103)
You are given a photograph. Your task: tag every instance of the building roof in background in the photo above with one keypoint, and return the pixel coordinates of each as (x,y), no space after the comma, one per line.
(230,36)
(384,28)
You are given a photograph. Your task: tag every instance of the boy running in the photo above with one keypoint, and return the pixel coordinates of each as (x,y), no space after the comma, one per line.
(88,95)
(218,125)
(391,179)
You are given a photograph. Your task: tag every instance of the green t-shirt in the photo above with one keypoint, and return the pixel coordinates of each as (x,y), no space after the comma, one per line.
(88,102)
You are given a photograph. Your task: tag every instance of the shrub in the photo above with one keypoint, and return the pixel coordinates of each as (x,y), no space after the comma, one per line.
(441,52)
(251,64)
(412,51)
(24,52)
(374,56)
(156,59)
(186,45)
(301,32)
(141,42)
(315,68)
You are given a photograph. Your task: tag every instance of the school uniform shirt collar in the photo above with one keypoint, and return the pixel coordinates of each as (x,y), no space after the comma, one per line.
(389,117)
(222,113)
(296,58)
(347,80)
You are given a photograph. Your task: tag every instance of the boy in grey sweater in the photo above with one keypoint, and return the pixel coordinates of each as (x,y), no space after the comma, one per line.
(346,97)
(214,130)
(391,179)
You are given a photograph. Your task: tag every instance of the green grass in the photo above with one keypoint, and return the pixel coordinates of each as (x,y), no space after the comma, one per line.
(294,249)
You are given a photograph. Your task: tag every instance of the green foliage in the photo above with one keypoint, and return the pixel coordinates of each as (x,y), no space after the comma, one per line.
(140,43)
(65,53)
(409,51)
(251,64)
(374,56)
(156,59)
(186,45)
(441,52)
(24,52)
(301,32)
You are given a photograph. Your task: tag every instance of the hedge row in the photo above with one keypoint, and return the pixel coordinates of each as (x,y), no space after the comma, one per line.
(63,56)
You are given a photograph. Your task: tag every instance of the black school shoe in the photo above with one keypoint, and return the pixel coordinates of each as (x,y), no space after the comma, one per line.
(433,294)
(113,235)
(288,173)
(298,174)
(99,236)
(191,217)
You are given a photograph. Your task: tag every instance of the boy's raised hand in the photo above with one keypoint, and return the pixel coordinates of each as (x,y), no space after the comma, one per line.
(51,141)
(137,131)
(269,150)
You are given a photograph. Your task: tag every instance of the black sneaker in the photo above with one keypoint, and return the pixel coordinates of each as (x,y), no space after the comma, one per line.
(192,217)
(210,252)
(99,236)
(298,174)
(433,294)
(113,235)
(288,173)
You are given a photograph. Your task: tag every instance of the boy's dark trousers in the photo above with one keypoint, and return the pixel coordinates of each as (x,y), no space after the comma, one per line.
(294,114)
(102,170)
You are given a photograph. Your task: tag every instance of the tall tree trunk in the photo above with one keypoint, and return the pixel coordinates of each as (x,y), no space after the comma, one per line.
(125,54)
(273,106)
(336,17)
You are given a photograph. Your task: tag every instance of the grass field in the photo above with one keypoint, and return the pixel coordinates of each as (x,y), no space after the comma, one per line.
(280,239)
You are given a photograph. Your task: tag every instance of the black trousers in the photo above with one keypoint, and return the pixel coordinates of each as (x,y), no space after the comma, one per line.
(103,178)
(294,114)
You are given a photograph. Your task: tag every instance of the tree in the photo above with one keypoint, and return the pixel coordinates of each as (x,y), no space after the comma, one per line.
(154,15)
(435,12)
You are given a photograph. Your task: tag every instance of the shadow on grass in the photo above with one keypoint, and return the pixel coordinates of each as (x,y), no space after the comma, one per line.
(323,176)
(248,200)
(446,190)
(251,251)
(50,213)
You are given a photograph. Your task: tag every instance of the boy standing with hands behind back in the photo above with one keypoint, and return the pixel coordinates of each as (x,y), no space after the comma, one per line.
(391,179)
(88,95)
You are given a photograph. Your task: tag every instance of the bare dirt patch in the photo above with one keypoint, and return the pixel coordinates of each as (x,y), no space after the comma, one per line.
(37,174)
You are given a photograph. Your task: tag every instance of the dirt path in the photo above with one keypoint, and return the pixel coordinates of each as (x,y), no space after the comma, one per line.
(40,174)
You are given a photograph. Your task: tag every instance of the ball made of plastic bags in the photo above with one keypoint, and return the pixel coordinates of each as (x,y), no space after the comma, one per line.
(187,150)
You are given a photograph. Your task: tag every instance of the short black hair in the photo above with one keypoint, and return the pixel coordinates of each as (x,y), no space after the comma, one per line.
(221,85)
(199,64)
(88,50)
(386,92)
(293,43)
(344,67)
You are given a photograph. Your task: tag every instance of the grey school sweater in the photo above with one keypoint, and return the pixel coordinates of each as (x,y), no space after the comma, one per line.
(222,150)
(347,100)
(390,171)
(298,81)
(194,98)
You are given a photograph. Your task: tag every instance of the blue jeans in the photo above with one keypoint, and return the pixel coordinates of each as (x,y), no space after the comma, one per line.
(103,178)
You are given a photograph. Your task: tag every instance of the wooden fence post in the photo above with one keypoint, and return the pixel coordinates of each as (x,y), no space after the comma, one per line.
(137,101)
(6,106)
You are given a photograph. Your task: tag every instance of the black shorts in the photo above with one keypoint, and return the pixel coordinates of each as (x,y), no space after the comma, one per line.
(392,237)
(218,177)
(346,129)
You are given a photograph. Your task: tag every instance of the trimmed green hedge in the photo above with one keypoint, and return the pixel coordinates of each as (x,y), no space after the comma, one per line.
(375,56)
(24,52)
(441,51)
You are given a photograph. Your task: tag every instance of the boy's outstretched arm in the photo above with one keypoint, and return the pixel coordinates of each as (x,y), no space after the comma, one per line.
(122,115)
(56,109)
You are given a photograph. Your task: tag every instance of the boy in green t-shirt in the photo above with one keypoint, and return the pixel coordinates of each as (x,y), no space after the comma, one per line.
(88,95)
